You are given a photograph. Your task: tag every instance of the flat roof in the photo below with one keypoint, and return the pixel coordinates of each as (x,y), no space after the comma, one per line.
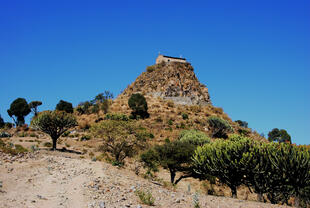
(174,57)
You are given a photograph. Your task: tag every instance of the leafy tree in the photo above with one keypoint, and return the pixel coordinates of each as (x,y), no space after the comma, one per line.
(1,122)
(101,97)
(120,138)
(19,108)
(83,107)
(223,159)
(54,123)
(138,104)
(260,172)
(219,127)
(243,124)
(279,136)
(174,156)
(194,137)
(33,105)
(64,106)
(292,166)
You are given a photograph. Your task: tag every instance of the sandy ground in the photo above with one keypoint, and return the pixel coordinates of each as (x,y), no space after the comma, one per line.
(55,179)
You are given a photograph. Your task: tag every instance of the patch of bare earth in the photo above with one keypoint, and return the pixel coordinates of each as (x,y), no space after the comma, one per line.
(57,179)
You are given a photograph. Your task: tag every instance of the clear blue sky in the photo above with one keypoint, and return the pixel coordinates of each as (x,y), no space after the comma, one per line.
(254,56)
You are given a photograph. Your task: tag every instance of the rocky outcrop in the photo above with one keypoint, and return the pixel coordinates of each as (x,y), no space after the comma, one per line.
(171,81)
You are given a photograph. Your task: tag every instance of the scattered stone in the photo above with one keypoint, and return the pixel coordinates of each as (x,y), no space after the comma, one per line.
(101,204)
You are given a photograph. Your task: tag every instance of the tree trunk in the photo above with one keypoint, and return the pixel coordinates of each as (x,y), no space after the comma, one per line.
(233,192)
(54,143)
(260,197)
(172,176)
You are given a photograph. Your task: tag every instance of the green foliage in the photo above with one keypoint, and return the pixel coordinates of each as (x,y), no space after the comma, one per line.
(95,108)
(54,123)
(243,124)
(170,122)
(151,68)
(277,135)
(101,97)
(174,156)
(64,106)
(184,116)
(145,197)
(121,139)
(85,138)
(19,108)
(219,127)
(11,148)
(223,159)
(47,144)
(116,117)
(138,104)
(83,107)
(33,105)
(194,137)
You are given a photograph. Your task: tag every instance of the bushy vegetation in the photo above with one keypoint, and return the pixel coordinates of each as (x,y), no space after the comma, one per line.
(54,123)
(243,124)
(138,104)
(121,139)
(64,106)
(102,101)
(12,149)
(19,108)
(174,156)
(194,137)
(276,135)
(116,117)
(33,105)
(276,171)
(145,197)
(219,127)
(151,68)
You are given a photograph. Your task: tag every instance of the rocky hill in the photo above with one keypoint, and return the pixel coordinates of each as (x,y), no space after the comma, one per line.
(170,81)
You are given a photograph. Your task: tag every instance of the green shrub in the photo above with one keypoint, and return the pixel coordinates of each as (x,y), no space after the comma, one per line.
(65,134)
(64,106)
(121,139)
(138,104)
(194,137)
(145,197)
(184,116)
(219,127)
(170,122)
(151,68)
(243,124)
(20,149)
(116,117)
(85,138)
(47,144)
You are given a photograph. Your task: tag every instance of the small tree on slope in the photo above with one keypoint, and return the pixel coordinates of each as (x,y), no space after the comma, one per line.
(54,123)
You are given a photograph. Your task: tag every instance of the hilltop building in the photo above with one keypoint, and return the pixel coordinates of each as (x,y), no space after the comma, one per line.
(161,58)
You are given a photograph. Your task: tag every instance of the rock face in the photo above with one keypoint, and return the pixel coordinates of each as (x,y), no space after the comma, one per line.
(171,81)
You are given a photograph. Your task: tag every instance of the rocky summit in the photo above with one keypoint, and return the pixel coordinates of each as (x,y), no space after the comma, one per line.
(170,81)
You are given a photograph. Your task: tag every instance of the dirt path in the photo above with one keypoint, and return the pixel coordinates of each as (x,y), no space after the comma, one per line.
(61,181)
